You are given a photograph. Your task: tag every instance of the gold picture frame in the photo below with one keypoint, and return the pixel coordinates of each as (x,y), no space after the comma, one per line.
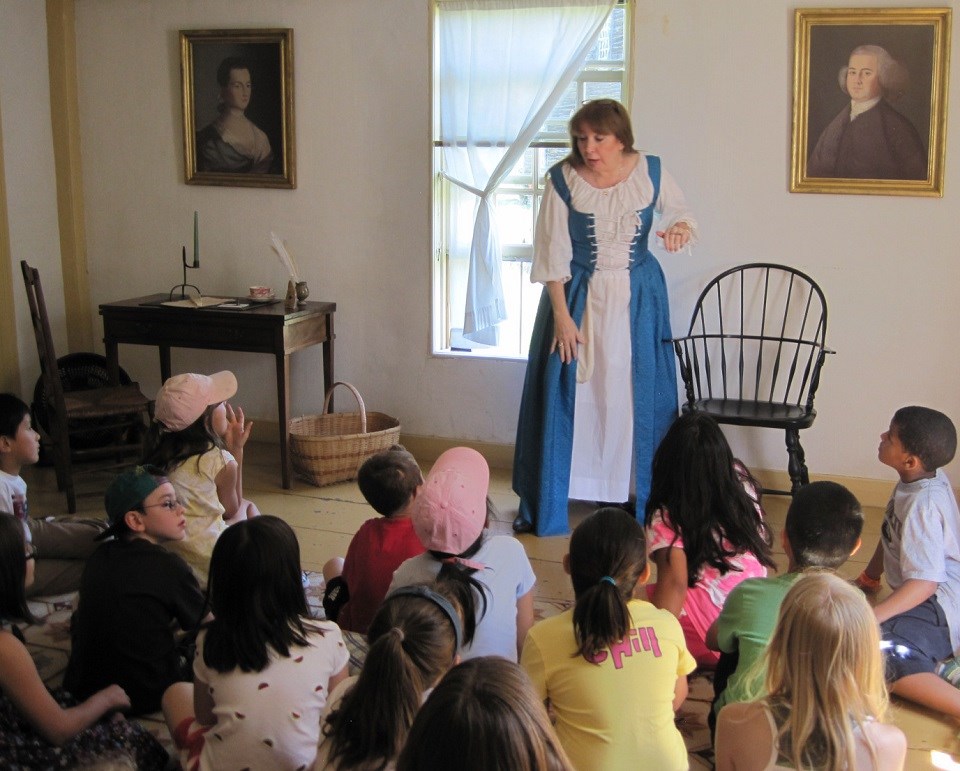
(894,61)
(238,107)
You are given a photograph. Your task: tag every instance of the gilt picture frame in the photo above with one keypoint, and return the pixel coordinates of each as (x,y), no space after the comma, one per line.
(238,107)
(870,100)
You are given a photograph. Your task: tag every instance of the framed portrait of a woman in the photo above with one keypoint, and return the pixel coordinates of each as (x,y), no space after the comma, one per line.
(238,107)
(870,100)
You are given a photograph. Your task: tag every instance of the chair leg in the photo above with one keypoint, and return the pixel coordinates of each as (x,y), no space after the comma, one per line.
(64,469)
(796,465)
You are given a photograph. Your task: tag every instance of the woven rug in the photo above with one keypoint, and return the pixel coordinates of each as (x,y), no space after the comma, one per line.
(49,645)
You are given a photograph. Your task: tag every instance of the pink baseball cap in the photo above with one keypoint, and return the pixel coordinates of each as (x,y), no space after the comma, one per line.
(451,508)
(183,398)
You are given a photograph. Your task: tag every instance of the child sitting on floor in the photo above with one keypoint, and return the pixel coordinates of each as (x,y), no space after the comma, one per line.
(919,552)
(357,584)
(134,596)
(450,517)
(705,528)
(61,545)
(483,716)
(614,668)
(197,440)
(414,639)
(822,530)
(40,729)
(263,668)
(826,694)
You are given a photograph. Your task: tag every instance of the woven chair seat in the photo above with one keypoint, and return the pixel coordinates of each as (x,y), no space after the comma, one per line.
(104,402)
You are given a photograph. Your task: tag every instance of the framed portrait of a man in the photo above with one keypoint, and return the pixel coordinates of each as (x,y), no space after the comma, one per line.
(238,107)
(870,100)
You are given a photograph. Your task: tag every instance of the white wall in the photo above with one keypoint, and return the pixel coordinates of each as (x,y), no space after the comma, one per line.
(30,177)
(712,95)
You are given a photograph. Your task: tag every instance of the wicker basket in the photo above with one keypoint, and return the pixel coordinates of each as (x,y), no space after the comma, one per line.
(331,447)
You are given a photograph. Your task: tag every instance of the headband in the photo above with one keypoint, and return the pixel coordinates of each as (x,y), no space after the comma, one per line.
(426,593)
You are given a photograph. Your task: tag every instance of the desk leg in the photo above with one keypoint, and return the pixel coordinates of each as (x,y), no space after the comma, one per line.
(283,404)
(328,380)
(164,363)
(113,361)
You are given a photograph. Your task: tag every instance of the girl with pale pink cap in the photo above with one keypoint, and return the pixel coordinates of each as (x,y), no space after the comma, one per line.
(197,439)
(450,518)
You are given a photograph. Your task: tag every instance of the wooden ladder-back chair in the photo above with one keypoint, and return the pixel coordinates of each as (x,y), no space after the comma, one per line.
(754,350)
(114,412)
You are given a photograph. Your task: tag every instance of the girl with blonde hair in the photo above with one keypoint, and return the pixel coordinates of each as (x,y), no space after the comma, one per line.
(827,696)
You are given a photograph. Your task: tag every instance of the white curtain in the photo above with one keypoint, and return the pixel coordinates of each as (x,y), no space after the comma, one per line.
(503,65)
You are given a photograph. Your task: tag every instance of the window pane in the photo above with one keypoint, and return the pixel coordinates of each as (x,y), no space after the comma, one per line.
(556,123)
(610,45)
(603,90)
(515,218)
(551,156)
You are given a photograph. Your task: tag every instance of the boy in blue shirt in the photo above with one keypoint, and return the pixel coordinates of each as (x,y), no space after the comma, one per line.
(919,551)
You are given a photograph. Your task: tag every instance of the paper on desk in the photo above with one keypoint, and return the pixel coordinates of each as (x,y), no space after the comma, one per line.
(197,302)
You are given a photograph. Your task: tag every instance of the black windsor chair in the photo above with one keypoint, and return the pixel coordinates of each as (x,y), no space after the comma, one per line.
(754,351)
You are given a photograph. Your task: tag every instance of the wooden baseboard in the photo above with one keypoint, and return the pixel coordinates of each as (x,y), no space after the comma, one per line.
(870,492)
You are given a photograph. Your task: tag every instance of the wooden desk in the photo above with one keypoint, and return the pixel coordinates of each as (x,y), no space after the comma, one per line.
(261,329)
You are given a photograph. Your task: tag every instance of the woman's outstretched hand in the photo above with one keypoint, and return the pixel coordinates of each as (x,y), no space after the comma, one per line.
(675,237)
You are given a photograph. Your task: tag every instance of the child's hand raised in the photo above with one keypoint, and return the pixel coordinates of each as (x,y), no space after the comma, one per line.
(238,430)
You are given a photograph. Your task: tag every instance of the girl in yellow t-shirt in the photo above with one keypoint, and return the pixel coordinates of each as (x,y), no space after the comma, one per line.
(613,668)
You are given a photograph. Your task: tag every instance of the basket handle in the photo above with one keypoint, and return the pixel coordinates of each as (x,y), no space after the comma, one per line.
(356,394)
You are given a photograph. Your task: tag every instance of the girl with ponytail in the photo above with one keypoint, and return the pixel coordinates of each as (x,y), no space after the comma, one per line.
(613,668)
(414,639)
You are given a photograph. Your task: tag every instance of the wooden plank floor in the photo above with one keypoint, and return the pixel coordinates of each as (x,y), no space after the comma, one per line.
(326,518)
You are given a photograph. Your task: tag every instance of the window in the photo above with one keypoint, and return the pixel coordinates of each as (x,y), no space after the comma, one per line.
(516,202)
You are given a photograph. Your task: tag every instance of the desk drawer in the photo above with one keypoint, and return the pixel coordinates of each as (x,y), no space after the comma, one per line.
(191,333)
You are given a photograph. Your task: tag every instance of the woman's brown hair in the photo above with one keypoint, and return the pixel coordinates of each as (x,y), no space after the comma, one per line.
(604,116)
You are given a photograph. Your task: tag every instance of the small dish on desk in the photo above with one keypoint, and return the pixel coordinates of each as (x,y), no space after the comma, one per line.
(269,298)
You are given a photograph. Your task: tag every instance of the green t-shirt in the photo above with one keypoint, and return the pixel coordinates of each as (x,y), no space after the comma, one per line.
(746,624)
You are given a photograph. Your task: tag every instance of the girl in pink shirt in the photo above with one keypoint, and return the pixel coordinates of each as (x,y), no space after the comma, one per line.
(705,527)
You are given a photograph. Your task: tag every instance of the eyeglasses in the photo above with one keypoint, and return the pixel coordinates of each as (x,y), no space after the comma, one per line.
(168,505)
(31,553)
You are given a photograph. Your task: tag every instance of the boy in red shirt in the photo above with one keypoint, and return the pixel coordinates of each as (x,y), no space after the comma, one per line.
(357,584)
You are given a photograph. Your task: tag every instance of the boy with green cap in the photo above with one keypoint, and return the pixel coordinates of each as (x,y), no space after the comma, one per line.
(131,593)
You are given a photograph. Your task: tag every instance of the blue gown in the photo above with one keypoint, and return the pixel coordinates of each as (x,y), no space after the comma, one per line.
(544,446)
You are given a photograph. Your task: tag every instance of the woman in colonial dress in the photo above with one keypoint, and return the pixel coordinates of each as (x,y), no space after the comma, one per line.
(600,389)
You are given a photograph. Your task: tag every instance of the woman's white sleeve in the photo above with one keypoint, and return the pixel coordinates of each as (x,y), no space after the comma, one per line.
(672,206)
(552,250)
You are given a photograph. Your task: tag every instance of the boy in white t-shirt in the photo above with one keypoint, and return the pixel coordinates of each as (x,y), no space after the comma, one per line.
(919,550)
(61,546)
